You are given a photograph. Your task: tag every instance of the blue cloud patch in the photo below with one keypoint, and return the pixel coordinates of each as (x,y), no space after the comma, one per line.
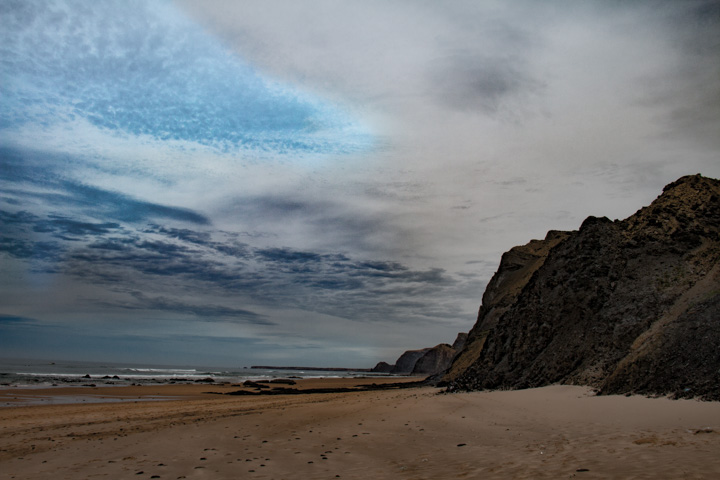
(123,207)
(204,311)
(21,168)
(65,227)
(14,319)
(142,68)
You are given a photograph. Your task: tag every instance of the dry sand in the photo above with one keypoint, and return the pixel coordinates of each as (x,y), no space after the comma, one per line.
(552,432)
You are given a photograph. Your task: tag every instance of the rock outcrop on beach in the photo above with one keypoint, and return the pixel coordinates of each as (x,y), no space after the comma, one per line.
(437,359)
(406,363)
(623,306)
(425,361)
(382,367)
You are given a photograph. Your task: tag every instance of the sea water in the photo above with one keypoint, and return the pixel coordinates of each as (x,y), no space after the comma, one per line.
(26,373)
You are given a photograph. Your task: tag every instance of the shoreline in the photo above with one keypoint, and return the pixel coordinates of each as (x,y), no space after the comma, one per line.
(549,432)
(40,374)
(70,394)
(312,369)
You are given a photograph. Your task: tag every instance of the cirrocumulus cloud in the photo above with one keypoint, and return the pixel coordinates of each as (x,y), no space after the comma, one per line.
(142,69)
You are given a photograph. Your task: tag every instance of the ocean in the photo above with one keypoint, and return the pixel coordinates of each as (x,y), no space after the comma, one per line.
(43,374)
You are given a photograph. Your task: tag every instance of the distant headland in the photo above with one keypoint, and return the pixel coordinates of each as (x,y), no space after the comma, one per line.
(314,369)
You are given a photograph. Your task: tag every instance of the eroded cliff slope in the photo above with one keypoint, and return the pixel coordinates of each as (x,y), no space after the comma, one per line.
(624,306)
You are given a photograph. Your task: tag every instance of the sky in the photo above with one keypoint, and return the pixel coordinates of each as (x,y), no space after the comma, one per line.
(320,182)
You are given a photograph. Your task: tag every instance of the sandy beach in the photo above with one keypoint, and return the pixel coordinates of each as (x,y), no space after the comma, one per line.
(414,433)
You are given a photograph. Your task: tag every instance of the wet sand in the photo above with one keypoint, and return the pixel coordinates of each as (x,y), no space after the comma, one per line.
(551,432)
(18,396)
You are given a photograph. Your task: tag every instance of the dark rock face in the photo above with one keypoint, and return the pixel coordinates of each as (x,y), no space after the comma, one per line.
(426,361)
(516,268)
(382,367)
(625,306)
(435,360)
(459,341)
(406,363)
(682,361)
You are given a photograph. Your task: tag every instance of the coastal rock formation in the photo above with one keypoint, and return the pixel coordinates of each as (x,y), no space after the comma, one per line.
(382,367)
(624,306)
(437,359)
(426,361)
(516,268)
(459,342)
(407,360)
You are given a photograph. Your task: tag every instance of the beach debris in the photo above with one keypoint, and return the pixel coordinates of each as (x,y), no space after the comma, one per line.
(252,384)
(285,381)
(704,430)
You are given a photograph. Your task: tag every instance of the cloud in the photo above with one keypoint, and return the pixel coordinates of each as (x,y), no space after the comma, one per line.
(204,312)
(123,207)
(283,172)
(24,249)
(6,319)
(141,68)
(471,81)
(66,228)
(228,246)
(328,221)
(212,264)
(293,257)
(43,171)
(184,234)
(149,258)
(695,92)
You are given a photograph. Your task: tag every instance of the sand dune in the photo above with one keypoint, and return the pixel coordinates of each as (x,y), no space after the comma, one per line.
(552,432)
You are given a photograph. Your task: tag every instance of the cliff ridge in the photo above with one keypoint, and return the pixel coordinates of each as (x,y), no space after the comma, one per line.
(623,306)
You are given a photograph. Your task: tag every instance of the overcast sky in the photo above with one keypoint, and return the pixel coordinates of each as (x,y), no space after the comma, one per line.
(321,183)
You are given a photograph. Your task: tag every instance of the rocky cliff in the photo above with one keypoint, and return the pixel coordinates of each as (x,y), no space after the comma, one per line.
(382,367)
(435,360)
(516,268)
(459,342)
(624,306)
(407,360)
(426,361)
